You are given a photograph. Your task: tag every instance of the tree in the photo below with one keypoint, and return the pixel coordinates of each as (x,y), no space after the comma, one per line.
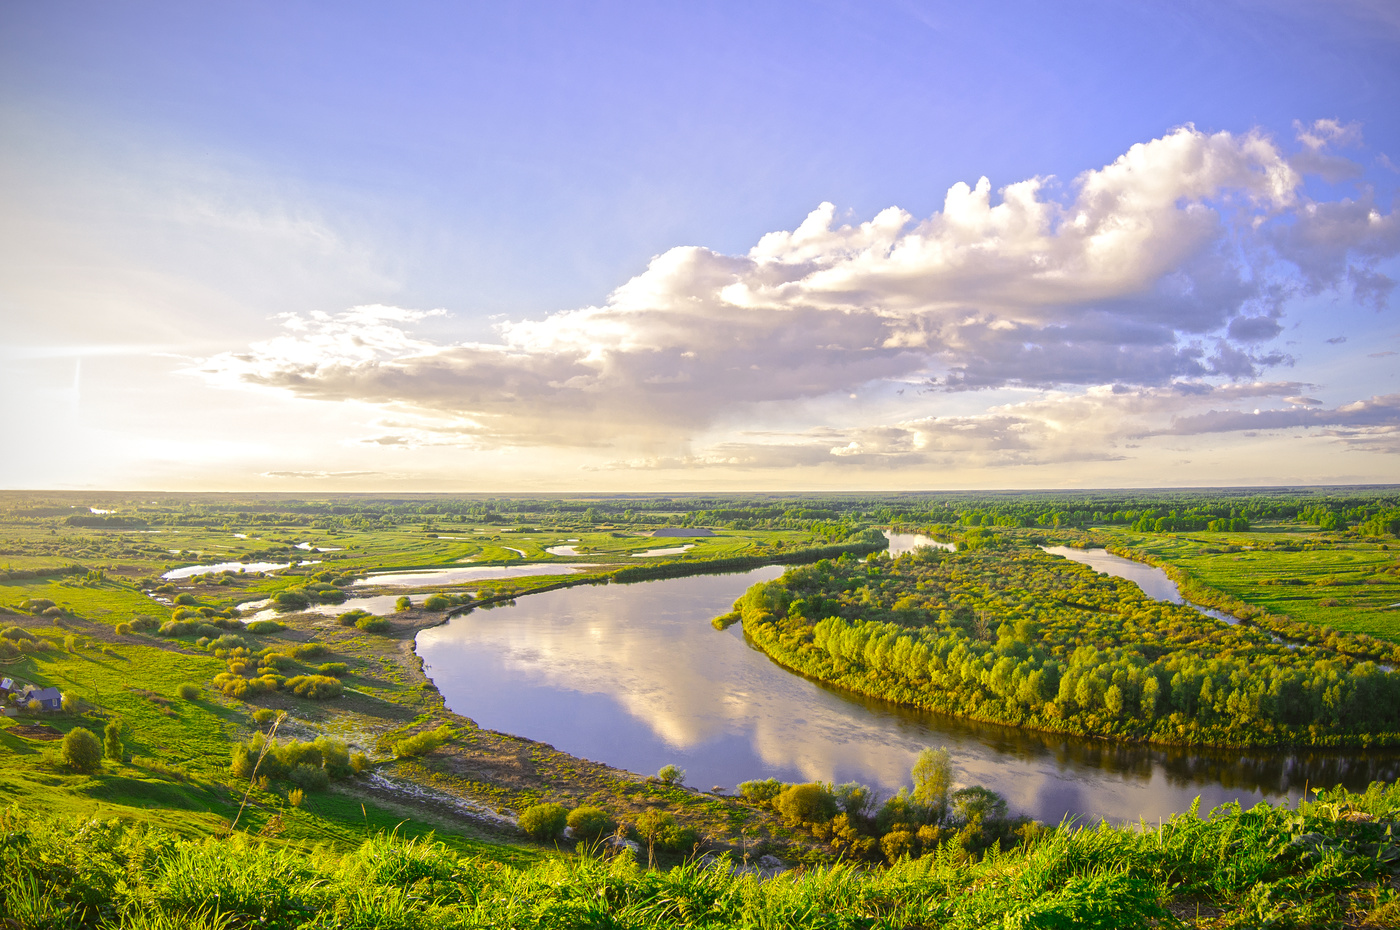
(933,776)
(112,741)
(671,774)
(82,751)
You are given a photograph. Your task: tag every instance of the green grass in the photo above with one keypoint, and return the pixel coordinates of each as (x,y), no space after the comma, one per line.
(1302,585)
(1328,863)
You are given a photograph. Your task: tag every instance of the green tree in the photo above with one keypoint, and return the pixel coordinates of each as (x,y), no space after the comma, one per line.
(82,751)
(933,776)
(671,774)
(112,741)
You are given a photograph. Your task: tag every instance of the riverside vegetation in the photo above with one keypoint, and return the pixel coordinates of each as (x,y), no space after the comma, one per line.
(300,771)
(1014,635)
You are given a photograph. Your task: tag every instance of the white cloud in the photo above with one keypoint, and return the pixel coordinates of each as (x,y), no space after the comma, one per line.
(1153,275)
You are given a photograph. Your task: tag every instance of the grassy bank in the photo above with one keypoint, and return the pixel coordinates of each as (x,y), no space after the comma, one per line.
(1328,863)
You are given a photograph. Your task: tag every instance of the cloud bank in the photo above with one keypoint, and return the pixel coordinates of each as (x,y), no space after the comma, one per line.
(1127,299)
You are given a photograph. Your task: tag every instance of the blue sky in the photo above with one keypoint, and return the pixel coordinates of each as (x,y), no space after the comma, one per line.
(194,200)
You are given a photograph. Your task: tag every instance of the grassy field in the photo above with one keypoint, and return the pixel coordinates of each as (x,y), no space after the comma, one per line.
(1346,584)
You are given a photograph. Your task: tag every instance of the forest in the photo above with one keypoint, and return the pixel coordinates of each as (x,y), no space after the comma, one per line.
(1018,636)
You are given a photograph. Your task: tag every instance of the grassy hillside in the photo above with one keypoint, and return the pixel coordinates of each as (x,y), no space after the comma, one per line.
(1330,863)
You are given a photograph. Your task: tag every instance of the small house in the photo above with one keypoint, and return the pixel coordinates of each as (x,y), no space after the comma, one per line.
(48,698)
(7,685)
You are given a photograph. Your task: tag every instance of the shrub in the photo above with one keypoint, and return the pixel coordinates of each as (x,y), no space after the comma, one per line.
(810,803)
(335,669)
(351,617)
(422,743)
(68,702)
(403,603)
(185,600)
(290,600)
(316,687)
(373,624)
(123,629)
(761,792)
(112,741)
(671,774)
(544,821)
(187,691)
(263,716)
(15,633)
(262,627)
(278,661)
(437,602)
(309,650)
(310,777)
(591,823)
(81,750)
(295,797)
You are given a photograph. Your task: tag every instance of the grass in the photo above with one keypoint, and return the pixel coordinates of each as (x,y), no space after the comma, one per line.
(1345,584)
(1328,863)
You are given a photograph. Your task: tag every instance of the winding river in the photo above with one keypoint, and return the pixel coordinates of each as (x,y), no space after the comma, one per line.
(635,676)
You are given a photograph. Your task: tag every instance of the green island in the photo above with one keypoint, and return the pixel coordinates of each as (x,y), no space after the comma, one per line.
(197,735)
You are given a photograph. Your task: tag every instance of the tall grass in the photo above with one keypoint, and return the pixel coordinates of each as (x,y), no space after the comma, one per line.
(1328,862)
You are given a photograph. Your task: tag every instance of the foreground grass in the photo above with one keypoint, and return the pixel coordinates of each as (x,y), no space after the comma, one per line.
(1328,863)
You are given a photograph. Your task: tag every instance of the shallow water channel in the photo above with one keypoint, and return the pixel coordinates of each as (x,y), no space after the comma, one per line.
(635,676)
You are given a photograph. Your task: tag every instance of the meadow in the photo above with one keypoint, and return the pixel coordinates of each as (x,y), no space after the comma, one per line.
(380,807)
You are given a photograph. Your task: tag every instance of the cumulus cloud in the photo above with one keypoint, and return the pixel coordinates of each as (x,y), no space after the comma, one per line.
(1160,269)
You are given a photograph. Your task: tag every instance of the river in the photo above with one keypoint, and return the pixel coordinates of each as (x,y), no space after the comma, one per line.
(635,676)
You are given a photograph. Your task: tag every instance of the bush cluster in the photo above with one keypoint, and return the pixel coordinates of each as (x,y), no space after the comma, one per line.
(310,765)
(423,743)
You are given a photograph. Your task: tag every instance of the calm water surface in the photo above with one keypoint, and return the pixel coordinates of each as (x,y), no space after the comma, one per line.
(635,676)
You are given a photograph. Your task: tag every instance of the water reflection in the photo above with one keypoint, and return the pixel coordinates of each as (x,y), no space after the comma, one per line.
(435,576)
(636,677)
(1153,581)
(191,570)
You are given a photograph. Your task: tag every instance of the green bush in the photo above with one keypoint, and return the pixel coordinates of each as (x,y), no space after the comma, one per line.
(437,602)
(544,821)
(373,624)
(335,669)
(263,716)
(290,600)
(16,633)
(188,691)
(591,823)
(185,600)
(670,774)
(761,792)
(422,743)
(262,627)
(310,777)
(309,650)
(403,603)
(351,617)
(123,629)
(316,687)
(810,803)
(82,751)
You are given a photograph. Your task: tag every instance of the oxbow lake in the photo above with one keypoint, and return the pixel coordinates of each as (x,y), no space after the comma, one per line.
(635,676)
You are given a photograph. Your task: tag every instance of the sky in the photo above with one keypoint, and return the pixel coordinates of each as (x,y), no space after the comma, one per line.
(615,247)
